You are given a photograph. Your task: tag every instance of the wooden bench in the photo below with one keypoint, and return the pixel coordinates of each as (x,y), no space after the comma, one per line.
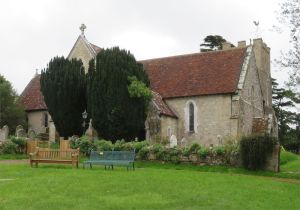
(111,159)
(45,155)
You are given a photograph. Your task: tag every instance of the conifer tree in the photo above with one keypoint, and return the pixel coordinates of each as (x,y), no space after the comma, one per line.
(118,95)
(63,86)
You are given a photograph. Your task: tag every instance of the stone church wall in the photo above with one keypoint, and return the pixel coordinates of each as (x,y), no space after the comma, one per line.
(251,101)
(36,121)
(213,119)
(81,52)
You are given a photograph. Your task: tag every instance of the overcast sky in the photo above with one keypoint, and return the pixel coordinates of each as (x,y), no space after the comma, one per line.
(34,31)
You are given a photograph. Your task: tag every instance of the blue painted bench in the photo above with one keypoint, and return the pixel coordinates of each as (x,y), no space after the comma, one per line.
(111,159)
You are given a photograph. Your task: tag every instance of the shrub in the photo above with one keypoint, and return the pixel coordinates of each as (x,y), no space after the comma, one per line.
(128,146)
(219,150)
(143,153)
(118,146)
(255,150)
(83,143)
(138,145)
(157,148)
(20,142)
(203,153)
(103,145)
(9,147)
(185,152)
(194,148)
(174,154)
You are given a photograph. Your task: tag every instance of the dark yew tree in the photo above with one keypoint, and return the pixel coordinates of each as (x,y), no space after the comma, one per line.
(11,111)
(212,42)
(63,86)
(118,95)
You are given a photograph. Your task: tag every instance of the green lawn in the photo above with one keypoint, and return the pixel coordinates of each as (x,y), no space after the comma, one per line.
(151,186)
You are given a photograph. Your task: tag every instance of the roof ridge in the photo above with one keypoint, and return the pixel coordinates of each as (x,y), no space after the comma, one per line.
(193,54)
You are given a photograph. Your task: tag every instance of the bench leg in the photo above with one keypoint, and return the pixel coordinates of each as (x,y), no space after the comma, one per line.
(112,167)
(90,165)
(31,163)
(133,166)
(36,164)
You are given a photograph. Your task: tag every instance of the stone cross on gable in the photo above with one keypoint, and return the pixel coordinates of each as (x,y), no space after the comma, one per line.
(82,28)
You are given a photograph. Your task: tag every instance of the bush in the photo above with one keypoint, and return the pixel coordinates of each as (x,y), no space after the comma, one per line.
(20,142)
(185,152)
(9,147)
(219,150)
(143,153)
(138,145)
(84,144)
(194,148)
(118,146)
(203,153)
(103,145)
(255,150)
(128,146)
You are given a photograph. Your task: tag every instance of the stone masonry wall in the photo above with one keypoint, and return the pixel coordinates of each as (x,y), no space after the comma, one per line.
(213,119)
(251,101)
(81,51)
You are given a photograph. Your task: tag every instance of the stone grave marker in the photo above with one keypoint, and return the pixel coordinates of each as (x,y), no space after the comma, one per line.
(173,141)
(4,133)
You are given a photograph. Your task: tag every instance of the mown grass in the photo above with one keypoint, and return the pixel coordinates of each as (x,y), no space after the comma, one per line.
(151,186)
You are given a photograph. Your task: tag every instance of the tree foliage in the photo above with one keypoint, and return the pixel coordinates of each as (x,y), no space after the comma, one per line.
(212,43)
(289,16)
(63,86)
(117,95)
(11,111)
(288,121)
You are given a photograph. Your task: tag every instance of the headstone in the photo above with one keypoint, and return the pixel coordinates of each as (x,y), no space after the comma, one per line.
(91,132)
(183,142)
(173,141)
(31,134)
(4,133)
(20,132)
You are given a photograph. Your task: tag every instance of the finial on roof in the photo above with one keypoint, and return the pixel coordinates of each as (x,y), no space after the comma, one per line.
(82,28)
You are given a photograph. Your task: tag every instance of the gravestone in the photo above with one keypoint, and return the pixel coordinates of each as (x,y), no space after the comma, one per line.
(183,142)
(20,132)
(31,134)
(4,133)
(91,132)
(173,141)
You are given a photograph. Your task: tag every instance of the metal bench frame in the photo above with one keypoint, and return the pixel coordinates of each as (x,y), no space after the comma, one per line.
(111,158)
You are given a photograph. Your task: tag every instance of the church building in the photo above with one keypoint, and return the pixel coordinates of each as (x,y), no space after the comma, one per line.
(204,97)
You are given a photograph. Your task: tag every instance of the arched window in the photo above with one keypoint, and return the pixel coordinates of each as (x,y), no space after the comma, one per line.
(191,117)
(45,120)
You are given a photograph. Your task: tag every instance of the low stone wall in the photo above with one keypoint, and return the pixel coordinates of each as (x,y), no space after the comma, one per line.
(272,164)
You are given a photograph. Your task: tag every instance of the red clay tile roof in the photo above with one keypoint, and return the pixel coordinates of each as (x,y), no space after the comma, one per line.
(162,106)
(196,74)
(32,98)
(96,48)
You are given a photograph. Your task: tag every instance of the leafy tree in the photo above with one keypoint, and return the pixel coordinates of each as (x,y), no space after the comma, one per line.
(289,17)
(212,43)
(283,101)
(11,111)
(63,86)
(118,95)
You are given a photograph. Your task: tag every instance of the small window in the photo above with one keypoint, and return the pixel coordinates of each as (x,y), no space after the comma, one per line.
(191,117)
